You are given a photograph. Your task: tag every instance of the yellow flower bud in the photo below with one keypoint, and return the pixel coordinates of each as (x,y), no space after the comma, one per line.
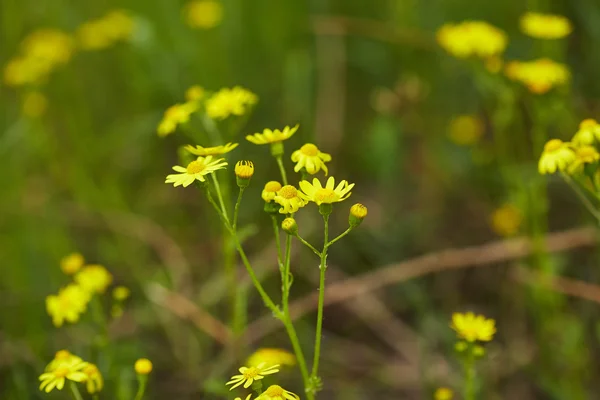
(243,172)
(71,263)
(289,226)
(270,190)
(358,212)
(478,351)
(121,293)
(143,366)
(461,346)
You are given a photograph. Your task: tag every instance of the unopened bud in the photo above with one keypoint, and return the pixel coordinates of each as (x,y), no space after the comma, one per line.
(243,172)
(290,226)
(358,212)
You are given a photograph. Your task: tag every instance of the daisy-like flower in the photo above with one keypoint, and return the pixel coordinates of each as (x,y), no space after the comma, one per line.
(588,133)
(269,136)
(72,263)
(175,115)
(545,26)
(276,392)
(271,356)
(557,155)
(250,374)
(583,155)
(329,194)
(270,191)
(310,157)
(94,278)
(196,170)
(473,328)
(226,102)
(68,305)
(105,31)
(94,382)
(71,369)
(472,39)
(211,151)
(288,197)
(539,76)
(61,357)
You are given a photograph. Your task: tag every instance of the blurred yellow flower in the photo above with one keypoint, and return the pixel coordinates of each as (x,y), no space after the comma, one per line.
(271,356)
(211,151)
(465,130)
(269,136)
(60,357)
(71,263)
(175,115)
(143,366)
(93,382)
(506,220)
(473,328)
(70,369)
(276,392)
(251,374)
(557,155)
(196,170)
(68,305)
(443,393)
(34,104)
(289,199)
(226,102)
(472,38)
(583,155)
(545,26)
(329,194)
(94,278)
(311,158)
(194,93)
(104,32)
(539,76)
(121,293)
(270,191)
(203,14)
(588,133)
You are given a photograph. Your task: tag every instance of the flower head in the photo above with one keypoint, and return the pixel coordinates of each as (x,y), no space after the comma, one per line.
(194,93)
(61,357)
(211,151)
(472,39)
(71,263)
(583,155)
(443,393)
(270,191)
(143,366)
(250,374)
(465,130)
(289,199)
(94,278)
(588,133)
(506,220)
(121,293)
(310,158)
(175,115)
(70,369)
(557,155)
(103,32)
(473,328)
(545,26)
(269,136)
(226,102)
(94,382)
(68,305)
(539,76)
(271,356)
(203,14)
(358,212)
(244,169)
(325,195)
(276,392)
(196,170)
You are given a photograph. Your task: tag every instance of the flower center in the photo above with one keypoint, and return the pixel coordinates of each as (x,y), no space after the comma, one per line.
(553,145)
(326,196)
(588,124)
(274,391)
(272,186)
(309,149)
(61,372)
(288,192)
(195,167)
(251,373)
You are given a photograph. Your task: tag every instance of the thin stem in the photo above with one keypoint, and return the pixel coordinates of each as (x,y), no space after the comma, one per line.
(310,246)
(319,328)
(584,199)
(277,241)
(220,197)
(142,382)
(237,207)
(470,375)
(282,169)
(347,231)
(285,283)
(75,391)
(237,296)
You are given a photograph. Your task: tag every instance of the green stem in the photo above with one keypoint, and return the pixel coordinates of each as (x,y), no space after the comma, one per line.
(347,231)
(285,283)
(470,375)
(584,199)
(310,246)
(282,169)
(237,207)
(277,242)
(142,382)
(220,197)
(75,391)
(319,328)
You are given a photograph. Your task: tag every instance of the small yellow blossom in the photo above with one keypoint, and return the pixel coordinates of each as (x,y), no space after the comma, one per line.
(60,357)
(72,263)
(203,14)
(143,366)
(194,93)
(106,31)
(94,278)
(465,130)
(70,369)
(506,220)
(473,328)
(310,158)
(358,212)
(270,191)
(94,382)
(68,305)
(271,356)
(288,197)
(196,170)
(244,169)
(251,374)
(557,155)
(276,392)
(329,194)
(175,115)
(269,136)
(539,76)
(34,104)
(583,155)
(545,26)
(121,293)
(235,101)
(588,133)
(211,151)
(472,38)
(443,393)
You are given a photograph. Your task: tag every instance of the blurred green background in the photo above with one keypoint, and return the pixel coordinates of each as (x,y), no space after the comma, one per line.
(367,82)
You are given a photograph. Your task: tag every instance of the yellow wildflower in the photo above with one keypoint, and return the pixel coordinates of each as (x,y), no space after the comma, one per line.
(143,366)
(472,38)
(94,278)
(465,130)
(72,263)
(121,293)
(271,356)
(196,170)
(272,136)
(175,115)
(583,155)
(61,357)
(545,26)
(94,382)
(211,151)
(539,76)
(226,102)
(288,197)
(270,191)
(251,374)
(34,104)
(310,158)
(443,393)
(473,328)
(358,212)
(103,32)
(276,392)
(70,369)
(588,133)
(203,14)
(557,155)
(329,194)
(194,93)
(68,305)
(506,220)
(244,169)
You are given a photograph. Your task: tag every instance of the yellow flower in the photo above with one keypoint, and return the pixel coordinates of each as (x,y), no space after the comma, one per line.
(94,382)
(506,220)
(557,155)
(61,357)
(329,194)
(34,104)
(465,130)
(103,32)
(72,263)
(270,190)
(121,293)
(68,305)
(545,26)
(203,14)
(211,151)
(251,374)
(472,38)
(271,356)
(289,199)
(539,76)
(358,212)
(70,369)
(143,366)
(588,133)
(583,155)
(196,170)
(244,169)
(94,278)
(194,93)
(473,328)
(226,102)
(272,136)
(311,158)
(175,115)
(443,393)
(276,392)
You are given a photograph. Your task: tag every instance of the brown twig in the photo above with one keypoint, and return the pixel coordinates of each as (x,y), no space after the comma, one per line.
(568,286)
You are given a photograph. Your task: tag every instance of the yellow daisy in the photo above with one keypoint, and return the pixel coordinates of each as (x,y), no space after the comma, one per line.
(473,328)
(539,76)
(235,101)
(55,378)
(68,305)
(196,170)
(545,26)
(311,158)
(588,133)
(60,357)
(94,278)
(94,382)
(72,263)
(270,191)
(269,136)
(276,392)
(271,356)
(583,155)
(211,151)
(288,197)
(557,155)
(175,115)
(250,374)
(329,194)
(472,38)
